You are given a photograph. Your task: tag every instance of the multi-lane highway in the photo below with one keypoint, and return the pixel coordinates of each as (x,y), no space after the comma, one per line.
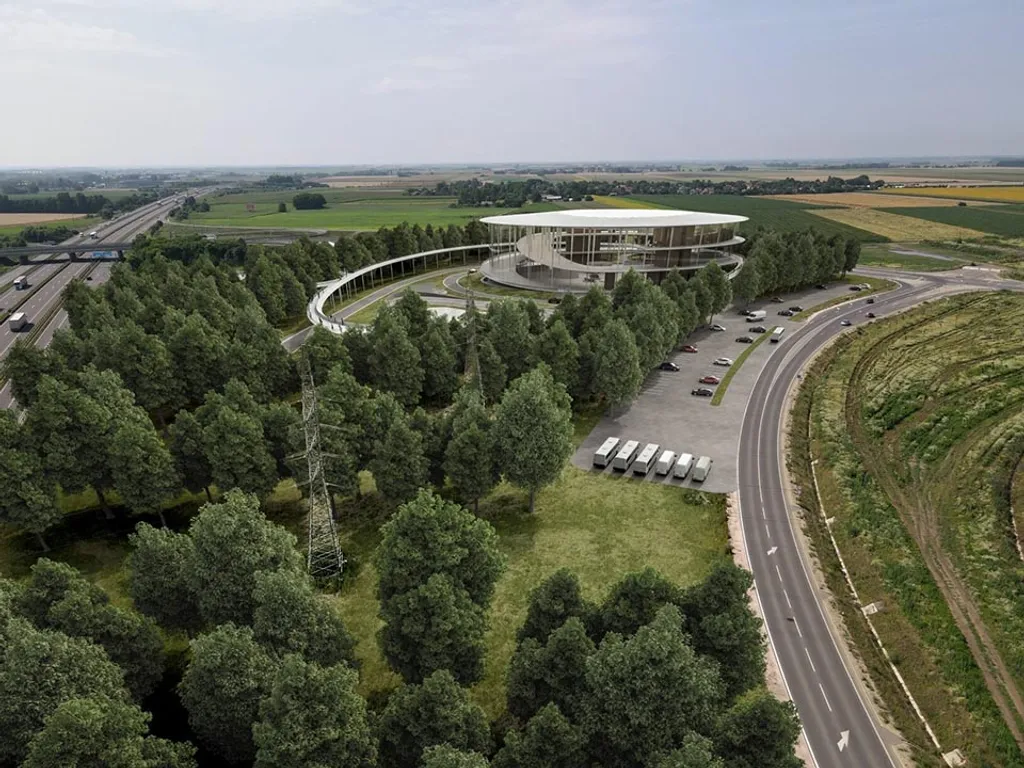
(48,281)
(840,730)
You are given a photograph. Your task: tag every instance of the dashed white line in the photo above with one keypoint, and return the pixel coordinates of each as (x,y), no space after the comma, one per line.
(785,594)
(810,661)
(778,572)
(767,530)
(822,689)
(797,625)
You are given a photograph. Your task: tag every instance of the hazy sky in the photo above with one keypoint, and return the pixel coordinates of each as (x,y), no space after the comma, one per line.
(168,82)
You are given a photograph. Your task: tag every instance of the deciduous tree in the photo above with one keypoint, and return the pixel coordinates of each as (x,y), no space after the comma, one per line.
(394,361)
(551,672)
(469,457)
(161,564)
(444,756)
(617,372)
(399,465)
(553,602)
(718,285)
(548,741)
(437,354)
(556,347)
(29,501)
(759,731)
(189,453)
(142,467)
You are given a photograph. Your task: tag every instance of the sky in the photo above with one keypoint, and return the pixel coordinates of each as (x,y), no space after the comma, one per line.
(274,82)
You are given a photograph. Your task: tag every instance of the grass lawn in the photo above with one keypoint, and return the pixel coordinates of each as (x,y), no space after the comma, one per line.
(780,215)
(600,527)
(719,395)
(1002,220)
(881,256)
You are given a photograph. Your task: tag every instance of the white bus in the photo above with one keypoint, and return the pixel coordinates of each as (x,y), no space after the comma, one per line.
(625,455)
(604,454)
(646,459)
(20,283)
(777,334)
(701,469)
(683,465)
(665,462)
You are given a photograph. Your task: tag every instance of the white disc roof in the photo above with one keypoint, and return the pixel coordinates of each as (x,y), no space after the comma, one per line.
(611,218)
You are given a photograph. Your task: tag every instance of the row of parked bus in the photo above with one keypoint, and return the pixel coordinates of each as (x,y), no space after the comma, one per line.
(628,455)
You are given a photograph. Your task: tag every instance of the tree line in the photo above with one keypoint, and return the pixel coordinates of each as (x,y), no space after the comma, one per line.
(81,203)
(38,233)
(515,194)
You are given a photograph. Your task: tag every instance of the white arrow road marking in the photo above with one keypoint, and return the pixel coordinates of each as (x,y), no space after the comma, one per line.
(772,551)
(844,739)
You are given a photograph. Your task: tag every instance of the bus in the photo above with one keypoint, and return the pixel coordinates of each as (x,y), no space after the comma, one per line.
(645,461)
(20,283)
(625,455)
(701,469)
(777,334)
(604,454)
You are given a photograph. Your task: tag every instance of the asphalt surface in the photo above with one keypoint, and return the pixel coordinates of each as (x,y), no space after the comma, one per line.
(823,688)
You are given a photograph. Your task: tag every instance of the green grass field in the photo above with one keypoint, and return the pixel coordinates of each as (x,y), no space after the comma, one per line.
(1002,220)
(600,527)
(780,215)
(881,256)
(110,194)
(912,421)
(79,223)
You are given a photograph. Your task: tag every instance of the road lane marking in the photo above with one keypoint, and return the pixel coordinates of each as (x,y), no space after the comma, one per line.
(768,531)
(778,572)
(773,550)
(822,689)
(810,661)
(786,595)
(844,739)
(797,625)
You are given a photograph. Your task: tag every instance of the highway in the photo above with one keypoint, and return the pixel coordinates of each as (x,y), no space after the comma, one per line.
(839,729)
(41,298)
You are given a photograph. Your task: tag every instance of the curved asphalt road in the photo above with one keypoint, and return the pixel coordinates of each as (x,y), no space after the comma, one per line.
(814,670)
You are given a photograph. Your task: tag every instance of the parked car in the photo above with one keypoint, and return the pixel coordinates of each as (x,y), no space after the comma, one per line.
(870,301)
(717,327)
(723,361)
(776,299)
(821,286)
(701,392)
(744,312)
(688,348)
(796,308)
(855,288)
(870,314)
(554,300)
(845,323)
(758,329)
(709,380)
(786,312)
(667,366)
(745,339)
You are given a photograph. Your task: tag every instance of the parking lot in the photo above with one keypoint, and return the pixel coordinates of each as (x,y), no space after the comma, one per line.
(667,414)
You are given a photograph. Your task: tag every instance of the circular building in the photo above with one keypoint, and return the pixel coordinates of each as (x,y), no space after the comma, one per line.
(574,250)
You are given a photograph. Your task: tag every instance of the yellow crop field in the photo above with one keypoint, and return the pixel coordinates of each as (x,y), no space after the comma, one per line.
(991,194)
(864,200)
(622,202)
(11,219)
(895,227)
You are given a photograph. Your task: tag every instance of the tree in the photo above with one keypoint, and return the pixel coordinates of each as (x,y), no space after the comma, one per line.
(852,254)
(399,465)
(510,334)
(142,467)
(548,741)
(433,626)
(595,309)
(415,310)
(23,366)
(636,600)
(746,285)
(160,567)
(233,542)
(759,731)
(443,756)
(703,298)
(199,354)
(469,457)
(40,671)
(436,712)
(324,350)
(221,690)
(428,536)
(282,207)
(29,501)
(556,347)
(313,716)
(533,431)
(237,451)
(695,752)
(718,285)
(141,360)
(309,201)
(553,602)
(493,374)
(290,618)
(103,732)
(689,317)
(394,360)
(437,355)
(617,372)
(282,430)
(646,693)
(188,451)
(551,672)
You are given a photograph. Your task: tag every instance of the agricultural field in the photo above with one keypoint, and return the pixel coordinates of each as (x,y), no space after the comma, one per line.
(859,200)
(110,194)
(1001,220)
(1006,194)
(918,261)
(775,214)
(892,226)
(13,223)
(347,209)
(916,425)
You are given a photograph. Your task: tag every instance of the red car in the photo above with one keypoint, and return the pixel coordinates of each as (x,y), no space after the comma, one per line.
(709,380)
(689,348)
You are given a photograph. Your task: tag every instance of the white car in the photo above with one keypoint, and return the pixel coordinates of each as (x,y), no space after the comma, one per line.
(723,361)
(717,327)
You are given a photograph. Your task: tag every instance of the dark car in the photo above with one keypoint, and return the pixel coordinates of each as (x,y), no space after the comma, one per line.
(688,348)
(870,301)
(776,299)
(667,366)
(709,380)
(758,329)
(744,312)
(821,286)
(554,300)
(744,340)
(855,288)
(702,392)
(796,308)
(786,312)
(871,315)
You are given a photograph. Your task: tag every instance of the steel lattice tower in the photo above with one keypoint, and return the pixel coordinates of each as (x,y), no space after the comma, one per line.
(324,558)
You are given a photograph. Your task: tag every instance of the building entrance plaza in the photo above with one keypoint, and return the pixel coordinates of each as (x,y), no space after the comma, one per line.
(573,250)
